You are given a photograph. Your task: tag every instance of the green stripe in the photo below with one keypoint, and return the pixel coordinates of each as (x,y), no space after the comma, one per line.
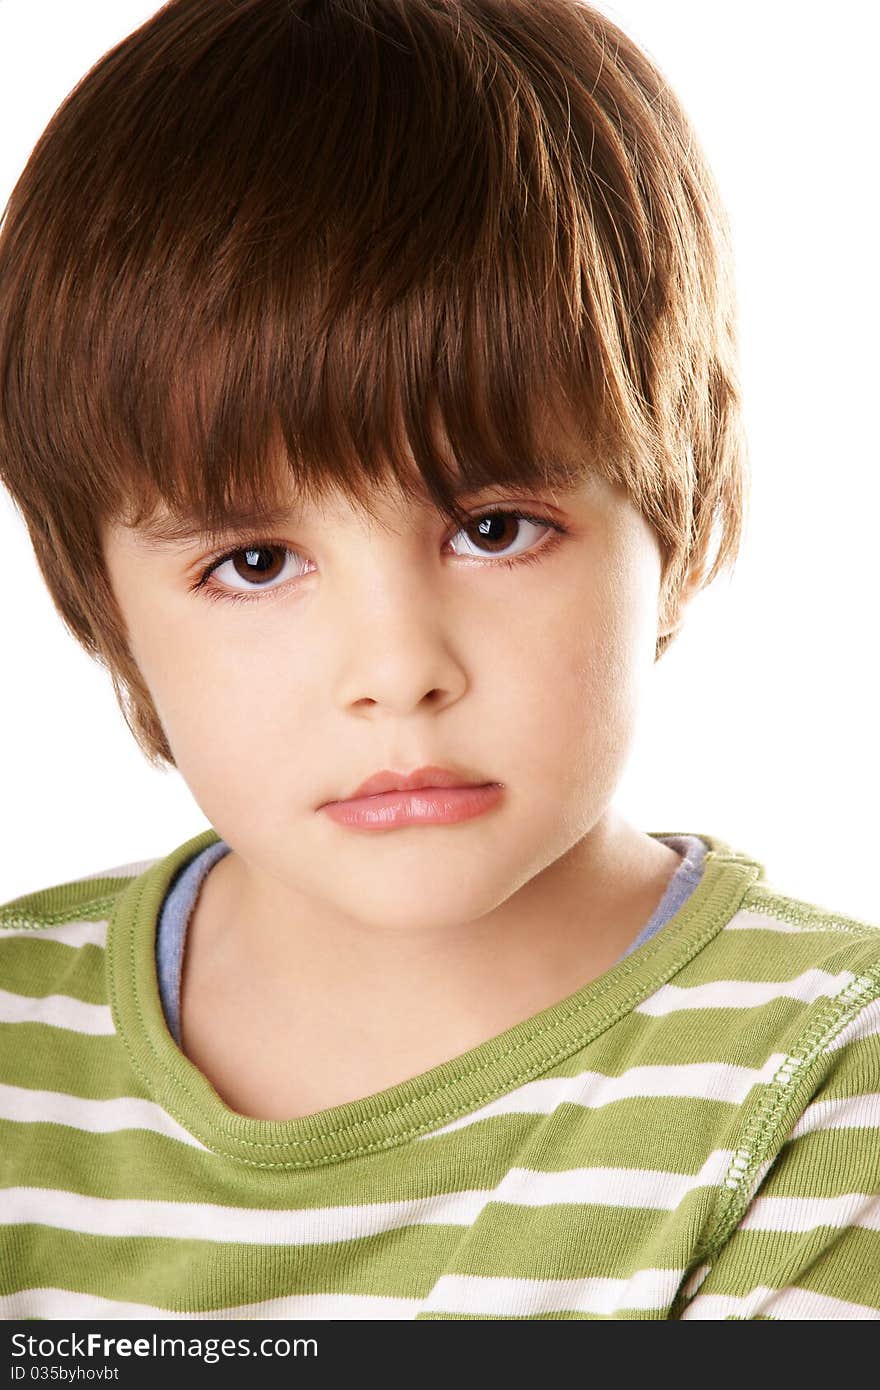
(847,1271)
(575,1241)
(758,956)
(140,1164)
(778,1259)
(53,1059)
(826,1163)
(34,965)
(689,1036)
(167,1273)
(852,1069)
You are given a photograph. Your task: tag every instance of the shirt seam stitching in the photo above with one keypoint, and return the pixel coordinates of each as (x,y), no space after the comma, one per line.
(761,1125)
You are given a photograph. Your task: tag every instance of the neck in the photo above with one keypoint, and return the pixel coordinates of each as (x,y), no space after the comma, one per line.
(464,982)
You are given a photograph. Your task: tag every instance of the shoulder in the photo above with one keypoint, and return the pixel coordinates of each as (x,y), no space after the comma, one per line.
(785,987)
(824,965)
(828,963)
(68,903)
(764,957)
(768,933)
(769,906)
(53,970)
(784,933)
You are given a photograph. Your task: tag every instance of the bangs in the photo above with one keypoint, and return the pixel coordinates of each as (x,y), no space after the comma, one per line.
(319,251)
(223,459)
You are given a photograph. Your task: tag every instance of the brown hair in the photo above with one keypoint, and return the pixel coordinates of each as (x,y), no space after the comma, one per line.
(331,227)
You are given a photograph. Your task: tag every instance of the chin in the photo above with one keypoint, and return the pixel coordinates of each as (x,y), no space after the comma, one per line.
(421,908)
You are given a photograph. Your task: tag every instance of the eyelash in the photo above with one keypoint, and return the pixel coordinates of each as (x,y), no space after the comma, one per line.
(217,594)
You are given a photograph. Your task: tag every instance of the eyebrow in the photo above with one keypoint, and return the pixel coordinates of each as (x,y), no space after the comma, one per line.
(171,530)
(177,530)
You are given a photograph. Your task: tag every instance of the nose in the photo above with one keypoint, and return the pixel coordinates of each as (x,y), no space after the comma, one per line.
(397,648)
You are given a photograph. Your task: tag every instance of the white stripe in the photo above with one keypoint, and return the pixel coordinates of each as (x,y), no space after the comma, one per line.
(470,1293)
(27,1106)
(648,1289)
(746,920)
(105,1216)
(866,1024)
(789,1303)
(69,934)
(68,1305)
(610,1187)
(56,1011)
(120,871)
(720,1081)
(744,994)
(806,1213)
(852,1112)
(625,1187)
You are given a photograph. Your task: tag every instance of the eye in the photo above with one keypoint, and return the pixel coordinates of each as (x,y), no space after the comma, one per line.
(259,560)
(497,536)
(502,528)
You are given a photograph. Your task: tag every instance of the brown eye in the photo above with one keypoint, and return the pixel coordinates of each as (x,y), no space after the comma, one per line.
(262,563)
(251,568)
(496,532)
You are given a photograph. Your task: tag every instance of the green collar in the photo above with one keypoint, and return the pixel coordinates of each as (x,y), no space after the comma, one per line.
(433,1098)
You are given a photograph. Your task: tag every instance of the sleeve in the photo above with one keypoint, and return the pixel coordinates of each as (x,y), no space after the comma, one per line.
(807,1244)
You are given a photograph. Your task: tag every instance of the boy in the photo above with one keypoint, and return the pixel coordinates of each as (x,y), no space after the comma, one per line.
(418,315)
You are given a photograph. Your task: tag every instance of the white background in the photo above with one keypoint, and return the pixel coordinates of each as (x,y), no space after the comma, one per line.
(762,724)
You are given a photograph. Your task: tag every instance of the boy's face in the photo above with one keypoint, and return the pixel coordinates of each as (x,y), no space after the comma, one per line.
(391,643)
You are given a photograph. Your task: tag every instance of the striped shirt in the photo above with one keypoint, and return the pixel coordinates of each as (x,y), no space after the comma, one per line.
(693,1134)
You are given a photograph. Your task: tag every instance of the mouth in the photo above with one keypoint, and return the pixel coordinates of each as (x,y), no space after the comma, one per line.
(419,806)
(417,780)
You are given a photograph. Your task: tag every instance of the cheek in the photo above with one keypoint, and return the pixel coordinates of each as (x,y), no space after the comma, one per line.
(579,687)
(226,711)
(580,654)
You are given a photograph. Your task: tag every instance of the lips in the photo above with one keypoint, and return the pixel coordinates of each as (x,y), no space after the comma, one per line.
(385,781)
